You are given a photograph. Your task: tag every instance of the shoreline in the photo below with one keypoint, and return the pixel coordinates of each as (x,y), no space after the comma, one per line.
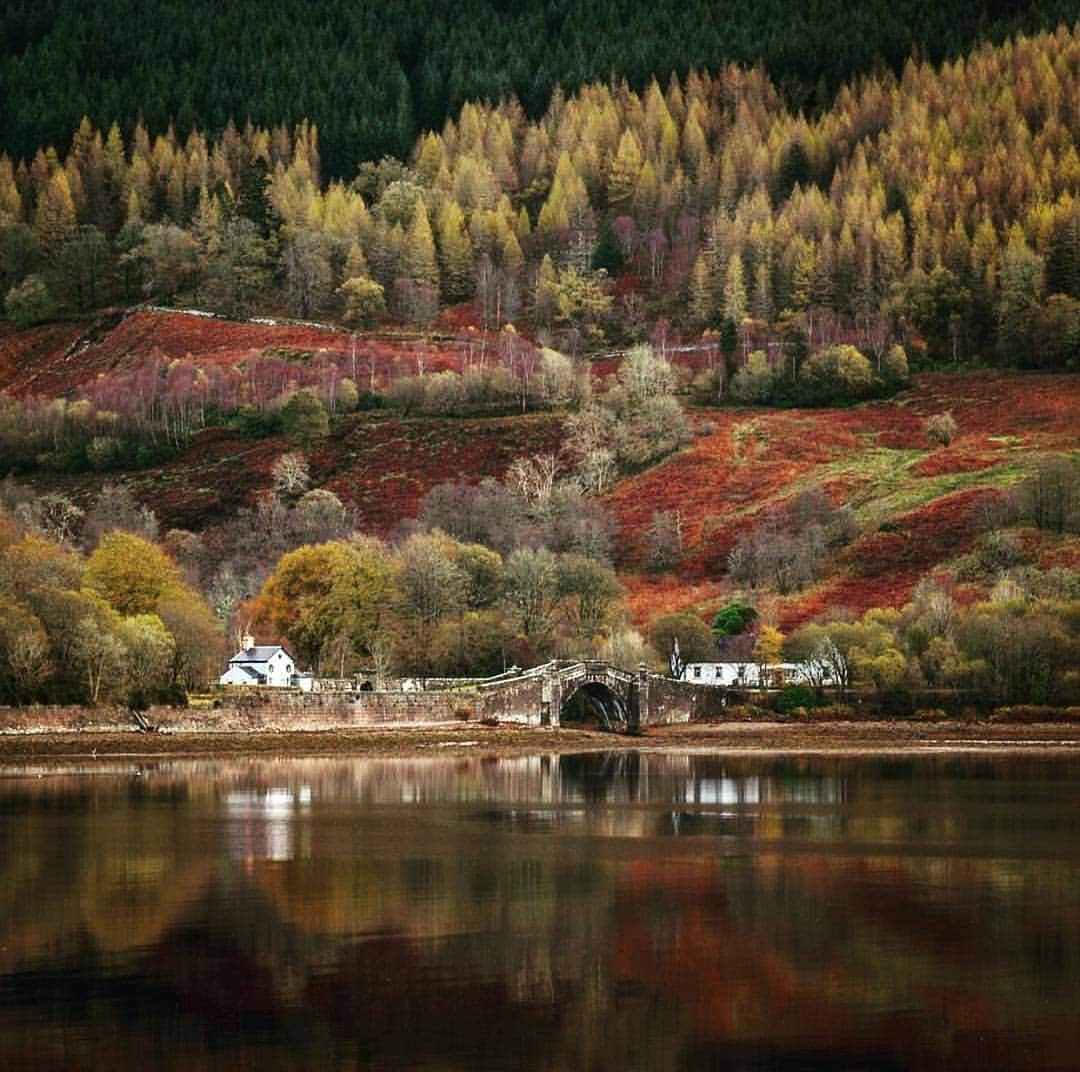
(507,740)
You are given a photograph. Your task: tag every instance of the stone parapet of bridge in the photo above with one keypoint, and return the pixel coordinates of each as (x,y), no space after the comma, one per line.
(623,700)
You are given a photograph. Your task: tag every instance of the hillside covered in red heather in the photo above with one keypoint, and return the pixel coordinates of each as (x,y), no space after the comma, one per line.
(916,506)
(55,359)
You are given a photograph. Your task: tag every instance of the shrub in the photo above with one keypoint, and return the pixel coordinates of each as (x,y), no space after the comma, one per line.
(104,452)
(894,367)
(256,422)
(999,551)
(406,394)
(836,374)
(368,400)
(754,382)
(29,302)
(304,420)
(794,697)
(347,397)
(940,429)
(706,387)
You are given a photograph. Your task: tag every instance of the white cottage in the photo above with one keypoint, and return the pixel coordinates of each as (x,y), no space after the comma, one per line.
(268,664)
(747,675)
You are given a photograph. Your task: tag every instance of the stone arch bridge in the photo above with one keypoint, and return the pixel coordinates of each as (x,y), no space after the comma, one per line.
(595,693)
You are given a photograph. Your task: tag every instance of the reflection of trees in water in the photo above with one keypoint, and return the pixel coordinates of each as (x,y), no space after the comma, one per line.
(921,919)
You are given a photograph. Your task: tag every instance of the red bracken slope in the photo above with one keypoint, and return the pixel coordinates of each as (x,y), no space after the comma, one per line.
(53,360)
(917,507)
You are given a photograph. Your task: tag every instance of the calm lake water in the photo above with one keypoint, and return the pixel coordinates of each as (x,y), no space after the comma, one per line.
(609,911)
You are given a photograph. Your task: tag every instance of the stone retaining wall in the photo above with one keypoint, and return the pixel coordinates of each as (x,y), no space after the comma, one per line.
(261,711)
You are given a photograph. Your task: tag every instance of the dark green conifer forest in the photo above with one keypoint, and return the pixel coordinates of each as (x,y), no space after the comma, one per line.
(373,76)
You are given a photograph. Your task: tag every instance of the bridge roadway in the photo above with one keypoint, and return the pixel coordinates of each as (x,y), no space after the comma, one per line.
(564,693)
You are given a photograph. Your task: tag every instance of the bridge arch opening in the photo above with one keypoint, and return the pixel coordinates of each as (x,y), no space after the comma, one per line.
(594,704)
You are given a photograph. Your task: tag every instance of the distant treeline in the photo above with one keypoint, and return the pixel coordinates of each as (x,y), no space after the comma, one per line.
(937,210)
(373,76)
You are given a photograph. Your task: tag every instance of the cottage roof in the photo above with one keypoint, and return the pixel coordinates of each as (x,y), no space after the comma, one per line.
(261,653)
(736,649)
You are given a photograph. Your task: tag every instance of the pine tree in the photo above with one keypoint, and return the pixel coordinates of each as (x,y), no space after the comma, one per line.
(420,262)
(823,293)
(54,217)
(1021,284)
(384,254)
(803,271)
(763,303)
(455,253)
(429,157)
(734,297)
(355,263)
(10,198)
(625,169)
(523,228)
(702,304)
(115,181)
(546,303)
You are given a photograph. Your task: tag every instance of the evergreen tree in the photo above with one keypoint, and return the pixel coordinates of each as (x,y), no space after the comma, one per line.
(1021,283)
(419,261)
(702,305)
(458,270)
(625,170)
(734,296)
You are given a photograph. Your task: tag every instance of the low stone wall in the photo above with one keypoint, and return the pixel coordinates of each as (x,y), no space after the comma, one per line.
(260,711)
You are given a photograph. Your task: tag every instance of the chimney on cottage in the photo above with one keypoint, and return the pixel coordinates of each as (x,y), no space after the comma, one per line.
(248,641)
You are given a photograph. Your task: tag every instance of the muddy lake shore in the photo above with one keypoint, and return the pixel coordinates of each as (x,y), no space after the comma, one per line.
(511,740)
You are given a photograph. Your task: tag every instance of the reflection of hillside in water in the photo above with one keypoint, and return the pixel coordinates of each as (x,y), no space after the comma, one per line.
(629,910)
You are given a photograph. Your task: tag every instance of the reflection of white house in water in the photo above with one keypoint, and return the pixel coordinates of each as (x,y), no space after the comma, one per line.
(260,665)
(747,675)
(262,822)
